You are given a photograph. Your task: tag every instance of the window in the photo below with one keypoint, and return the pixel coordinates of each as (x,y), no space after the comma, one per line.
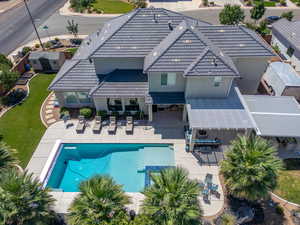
(290,51)
(70,97)
(133,105)
(217,81)
(168,79)
(76,97)
(114,104)
(83,97)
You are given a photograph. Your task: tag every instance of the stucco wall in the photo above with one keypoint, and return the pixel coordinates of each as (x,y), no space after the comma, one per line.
(283,45)
(204,87)
(107,65)
(251,71)
(155,83)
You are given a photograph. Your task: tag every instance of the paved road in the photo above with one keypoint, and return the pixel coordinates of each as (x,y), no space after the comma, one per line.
(15,25)
(57,23)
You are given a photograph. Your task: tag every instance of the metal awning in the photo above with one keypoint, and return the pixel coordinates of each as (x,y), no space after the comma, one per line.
(218,113)
(165,98)
(274,116)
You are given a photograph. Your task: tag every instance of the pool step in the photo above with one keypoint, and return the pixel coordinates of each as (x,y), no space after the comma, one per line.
(154,156)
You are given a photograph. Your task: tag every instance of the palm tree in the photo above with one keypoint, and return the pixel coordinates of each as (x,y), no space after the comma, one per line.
(251,168)
(101,200)
(7,157)
(23,201)
(172,198)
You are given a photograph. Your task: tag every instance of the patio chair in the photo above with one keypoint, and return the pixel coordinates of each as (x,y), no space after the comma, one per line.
(129,124)
(112,124)
(97,124)
(81,124)
(208,178)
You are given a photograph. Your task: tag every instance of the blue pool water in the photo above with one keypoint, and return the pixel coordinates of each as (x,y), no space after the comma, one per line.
(124,162)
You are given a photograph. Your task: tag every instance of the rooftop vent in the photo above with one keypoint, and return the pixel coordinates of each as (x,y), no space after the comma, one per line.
(154,18)
(170,25)
(241,45)
(98,32)
(90,60)
(214,61)
(192,27)
(176,60)
(88,43)
(154,53)
(221,30)
(180,27)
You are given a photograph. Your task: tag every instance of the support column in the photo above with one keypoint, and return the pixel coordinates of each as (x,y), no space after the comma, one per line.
(184,114)
(150,113)
(193,137)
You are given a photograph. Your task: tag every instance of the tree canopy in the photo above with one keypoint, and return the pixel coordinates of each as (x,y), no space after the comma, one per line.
(231,15)
(250,168)
(258,11)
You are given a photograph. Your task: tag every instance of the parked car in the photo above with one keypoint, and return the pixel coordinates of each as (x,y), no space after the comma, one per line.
(272,19)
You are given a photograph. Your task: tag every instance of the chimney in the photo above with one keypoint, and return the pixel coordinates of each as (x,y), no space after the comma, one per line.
(170,25)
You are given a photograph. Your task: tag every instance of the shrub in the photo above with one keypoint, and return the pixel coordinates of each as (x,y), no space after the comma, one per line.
(249,3)
(86,112)
(102,113)
(205,2)
(37,45)
(282,2)
(56,39)
(279,210)
(140,3)
(5,61)
(48,44)
(25,50)
(13,97)
(298,3)
(8,79)
(227,219)
(288,15)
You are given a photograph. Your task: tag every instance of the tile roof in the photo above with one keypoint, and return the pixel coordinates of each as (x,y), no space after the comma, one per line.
(290,30)
(156,33)
(75,75)
(125,83)
(211,63)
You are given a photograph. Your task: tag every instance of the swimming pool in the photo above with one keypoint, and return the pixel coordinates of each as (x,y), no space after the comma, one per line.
(126,163)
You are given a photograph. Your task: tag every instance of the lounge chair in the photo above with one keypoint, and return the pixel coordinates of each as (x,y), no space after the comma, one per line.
(81,124)
(112,124)
(129,124)
(97,124)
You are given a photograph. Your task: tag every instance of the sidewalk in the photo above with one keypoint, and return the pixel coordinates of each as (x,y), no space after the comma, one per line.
(32,43)
(9,4)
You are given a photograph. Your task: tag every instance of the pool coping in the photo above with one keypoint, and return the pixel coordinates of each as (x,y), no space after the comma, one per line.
(40,163)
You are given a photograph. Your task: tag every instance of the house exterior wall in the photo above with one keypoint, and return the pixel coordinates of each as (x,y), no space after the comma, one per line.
(36,65)
(292,91)
(251,71)
(283,45)
(107,65)
(154,79)
(199,87)
(61,100)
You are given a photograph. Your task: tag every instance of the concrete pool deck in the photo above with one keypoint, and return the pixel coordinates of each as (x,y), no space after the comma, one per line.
(171,134)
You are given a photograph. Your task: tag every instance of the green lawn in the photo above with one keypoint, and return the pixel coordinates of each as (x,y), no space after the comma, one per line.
(267,3)
(289,185)
(21,127)
(112,6)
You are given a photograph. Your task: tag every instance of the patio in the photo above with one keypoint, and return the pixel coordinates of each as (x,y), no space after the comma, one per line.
(143,133)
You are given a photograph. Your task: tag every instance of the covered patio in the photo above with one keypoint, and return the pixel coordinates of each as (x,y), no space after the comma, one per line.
(276,118)
(216,121)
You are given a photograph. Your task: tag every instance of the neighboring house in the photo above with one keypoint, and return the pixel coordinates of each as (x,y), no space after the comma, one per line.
(46,61)
(286,35)
(154,60)
(282,79)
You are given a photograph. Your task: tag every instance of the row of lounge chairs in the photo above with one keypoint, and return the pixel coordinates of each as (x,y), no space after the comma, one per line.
(112,127)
